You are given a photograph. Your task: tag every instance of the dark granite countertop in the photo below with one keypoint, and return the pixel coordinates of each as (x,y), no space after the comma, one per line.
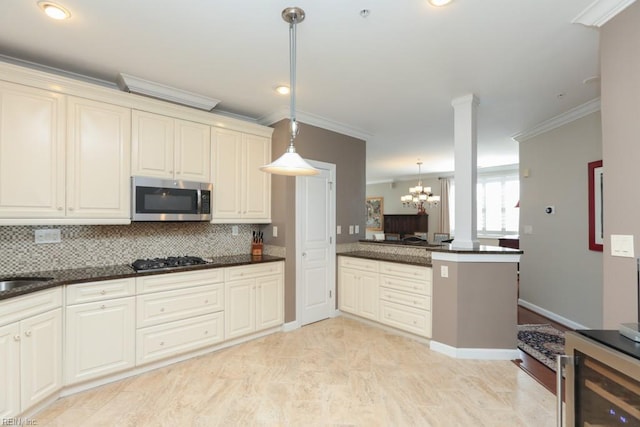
(405,243)
(95,274)
(482,249)
(382,256)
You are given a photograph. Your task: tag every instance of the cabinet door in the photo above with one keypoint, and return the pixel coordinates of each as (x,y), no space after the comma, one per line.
(257,184)
(152,144)
(31,153)
(9,371)
(98,165)
(226,174)
(240,308)
(368,295)
(41,357)
(348,290)
(192,151)
(269,302)
(100,339)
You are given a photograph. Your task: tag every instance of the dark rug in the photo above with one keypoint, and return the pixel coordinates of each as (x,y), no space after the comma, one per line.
(542,342)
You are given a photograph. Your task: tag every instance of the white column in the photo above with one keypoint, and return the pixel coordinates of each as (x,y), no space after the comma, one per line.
(466,171)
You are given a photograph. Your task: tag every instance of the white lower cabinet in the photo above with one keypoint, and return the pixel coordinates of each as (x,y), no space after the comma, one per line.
(256,301)
(30,351)
(177,313)
(100,339)
(396,294)
(358,287)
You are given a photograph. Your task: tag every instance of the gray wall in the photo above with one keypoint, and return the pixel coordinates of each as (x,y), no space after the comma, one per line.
(391,192)
(620,66)
(558,272)
(349,156)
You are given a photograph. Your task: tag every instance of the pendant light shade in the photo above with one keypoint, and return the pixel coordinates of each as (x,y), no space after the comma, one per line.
(290,163)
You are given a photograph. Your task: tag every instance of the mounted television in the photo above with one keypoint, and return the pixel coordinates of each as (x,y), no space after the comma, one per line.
(406,225)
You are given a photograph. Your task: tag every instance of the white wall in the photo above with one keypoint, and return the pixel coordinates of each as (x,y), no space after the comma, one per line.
(558,272)
(391,192)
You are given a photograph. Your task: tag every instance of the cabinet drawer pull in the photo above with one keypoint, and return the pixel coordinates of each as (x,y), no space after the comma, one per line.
(206,332)
(206,301)
(161,309)
(103,292)
(59,208)
(16,337)
(70,208)
(27,334)
(102,307)
(161,343)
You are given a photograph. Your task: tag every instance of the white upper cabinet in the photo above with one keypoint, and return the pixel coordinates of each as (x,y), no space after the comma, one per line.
(165,147)
(32,181)
(98,167)
(241,191)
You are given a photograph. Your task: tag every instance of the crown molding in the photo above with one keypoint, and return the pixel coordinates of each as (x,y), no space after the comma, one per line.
(600,12)
(315,120)
(141,86)
(559,120)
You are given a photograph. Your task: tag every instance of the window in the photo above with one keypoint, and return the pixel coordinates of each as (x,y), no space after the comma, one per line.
(497,196)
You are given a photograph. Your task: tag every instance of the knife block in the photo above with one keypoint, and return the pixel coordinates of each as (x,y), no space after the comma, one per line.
(256,249)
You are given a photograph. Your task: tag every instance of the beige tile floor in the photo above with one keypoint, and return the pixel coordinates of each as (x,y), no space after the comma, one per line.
(335,372)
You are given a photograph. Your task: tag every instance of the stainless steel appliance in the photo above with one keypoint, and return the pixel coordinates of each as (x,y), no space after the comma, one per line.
(602,384)
(155,199)
(166,263)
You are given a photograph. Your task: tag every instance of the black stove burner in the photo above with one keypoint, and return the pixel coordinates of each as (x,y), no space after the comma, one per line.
(166,263)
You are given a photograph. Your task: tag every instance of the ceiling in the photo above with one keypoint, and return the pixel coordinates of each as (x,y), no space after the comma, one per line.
(388,78)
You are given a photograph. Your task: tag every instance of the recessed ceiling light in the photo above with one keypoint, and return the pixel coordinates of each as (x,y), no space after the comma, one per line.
(283,90)
(439,3)
(54,11)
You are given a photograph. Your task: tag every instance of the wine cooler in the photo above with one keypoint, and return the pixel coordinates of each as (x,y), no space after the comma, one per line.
(602,379)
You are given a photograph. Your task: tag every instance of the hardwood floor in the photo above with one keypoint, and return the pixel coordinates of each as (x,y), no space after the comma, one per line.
(335,372)
(537,370)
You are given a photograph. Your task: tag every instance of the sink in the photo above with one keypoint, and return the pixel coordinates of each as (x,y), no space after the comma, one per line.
(9,283)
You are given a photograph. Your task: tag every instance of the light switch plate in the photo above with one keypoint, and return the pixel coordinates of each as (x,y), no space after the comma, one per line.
(275,231)
(357,229)
(622,245)
(48,235)
(339,229)
(234,230)
(351,229)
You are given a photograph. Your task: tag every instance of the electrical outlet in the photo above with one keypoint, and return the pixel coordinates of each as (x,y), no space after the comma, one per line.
(47,236)
(275,231)
(234,230)
(357,229)
(339,229)
(444,271)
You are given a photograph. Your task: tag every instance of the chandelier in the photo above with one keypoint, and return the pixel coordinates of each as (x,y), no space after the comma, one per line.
(419,195)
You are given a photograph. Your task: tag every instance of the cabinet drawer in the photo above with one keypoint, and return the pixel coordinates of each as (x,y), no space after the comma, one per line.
(18,308)
(358,263)
(170,281)
(251,271)
(406,271)
(406,318)
(422,302)
(98,291)
(171,339)
(162,307)
(419,287)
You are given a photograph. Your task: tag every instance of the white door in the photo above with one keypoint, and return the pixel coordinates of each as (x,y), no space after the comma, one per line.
(315,244)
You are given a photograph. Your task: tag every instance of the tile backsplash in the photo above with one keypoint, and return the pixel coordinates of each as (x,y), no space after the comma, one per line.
(99,245)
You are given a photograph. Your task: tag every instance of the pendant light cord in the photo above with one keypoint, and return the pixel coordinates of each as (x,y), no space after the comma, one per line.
(293,130)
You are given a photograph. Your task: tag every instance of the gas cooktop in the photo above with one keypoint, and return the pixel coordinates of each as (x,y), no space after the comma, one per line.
(166,263)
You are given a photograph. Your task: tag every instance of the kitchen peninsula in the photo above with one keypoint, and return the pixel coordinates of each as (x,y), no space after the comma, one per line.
(472,294)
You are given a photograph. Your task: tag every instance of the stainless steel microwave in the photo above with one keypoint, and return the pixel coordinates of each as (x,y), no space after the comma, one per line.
(155,199)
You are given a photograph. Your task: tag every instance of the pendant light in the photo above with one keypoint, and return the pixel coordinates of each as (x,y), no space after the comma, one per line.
(290,163)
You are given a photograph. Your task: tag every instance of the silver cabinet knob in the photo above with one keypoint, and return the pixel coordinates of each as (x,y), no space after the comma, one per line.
(27,334)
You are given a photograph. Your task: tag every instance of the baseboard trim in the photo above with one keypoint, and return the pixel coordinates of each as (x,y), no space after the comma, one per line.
(475,353)
(291,326)
(551,315)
